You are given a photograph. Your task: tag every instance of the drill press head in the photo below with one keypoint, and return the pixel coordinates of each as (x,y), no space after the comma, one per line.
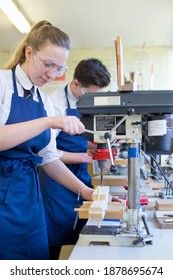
(101,154)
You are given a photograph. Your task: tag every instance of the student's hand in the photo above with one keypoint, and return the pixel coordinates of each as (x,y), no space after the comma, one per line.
(115,199)
(88,158)
(68,124)
(87,193)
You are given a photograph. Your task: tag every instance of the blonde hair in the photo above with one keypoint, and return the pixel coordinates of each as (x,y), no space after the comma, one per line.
(40,34)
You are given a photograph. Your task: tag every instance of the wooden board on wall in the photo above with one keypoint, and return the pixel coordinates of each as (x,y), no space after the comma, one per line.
(119,60)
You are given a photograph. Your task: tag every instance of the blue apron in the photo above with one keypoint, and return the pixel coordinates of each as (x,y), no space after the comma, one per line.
(22,222)
(60,202)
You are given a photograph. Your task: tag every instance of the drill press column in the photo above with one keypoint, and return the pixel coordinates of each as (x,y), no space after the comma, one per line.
(133,187)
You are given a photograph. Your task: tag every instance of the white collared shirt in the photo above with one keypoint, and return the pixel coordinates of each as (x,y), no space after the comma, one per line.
(49,153)
(58,98)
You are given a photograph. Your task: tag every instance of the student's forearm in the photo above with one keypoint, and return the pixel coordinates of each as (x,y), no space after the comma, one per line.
(15,134)
(75,158)
(60,173)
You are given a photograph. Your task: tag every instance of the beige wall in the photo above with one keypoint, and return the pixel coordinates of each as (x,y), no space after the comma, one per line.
(138,60)
(4,56)
(145,60)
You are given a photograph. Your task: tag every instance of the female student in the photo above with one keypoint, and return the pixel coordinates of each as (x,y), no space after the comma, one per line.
(27,124)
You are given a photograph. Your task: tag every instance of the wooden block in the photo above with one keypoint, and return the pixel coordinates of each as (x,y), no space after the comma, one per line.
(164,205)
(119,51)
(83,210)
(122,161)
(128,86)
(162,224)
(101,193)
(162,214)
(111,180)
(97,210)
(115,210)
(119,62)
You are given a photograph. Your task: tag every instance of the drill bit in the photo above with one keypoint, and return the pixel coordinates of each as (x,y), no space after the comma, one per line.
(101,177)
(101,165)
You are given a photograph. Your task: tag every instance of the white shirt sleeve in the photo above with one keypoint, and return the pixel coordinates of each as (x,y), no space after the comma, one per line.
(6,90)
(58,99)
(50,152)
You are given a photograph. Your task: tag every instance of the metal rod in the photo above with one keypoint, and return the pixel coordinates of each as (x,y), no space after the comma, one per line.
(145,224)
(110,151)
(91,131)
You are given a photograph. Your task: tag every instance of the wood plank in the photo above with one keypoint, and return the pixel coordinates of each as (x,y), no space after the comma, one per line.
(161,223)
(120,161)
(165,204)
(97,210)
(101,193)
(122,85)
(119,62)
(115,210)
(163,214)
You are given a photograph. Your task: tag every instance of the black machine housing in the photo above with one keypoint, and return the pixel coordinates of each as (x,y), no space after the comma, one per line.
(151,105)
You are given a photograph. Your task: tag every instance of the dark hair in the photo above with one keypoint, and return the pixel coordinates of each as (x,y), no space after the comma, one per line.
(40,34)
(92,72)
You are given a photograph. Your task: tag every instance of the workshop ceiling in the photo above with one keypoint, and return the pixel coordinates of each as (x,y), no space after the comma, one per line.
(96,23)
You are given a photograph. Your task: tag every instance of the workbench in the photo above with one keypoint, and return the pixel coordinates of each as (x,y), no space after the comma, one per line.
(161,249)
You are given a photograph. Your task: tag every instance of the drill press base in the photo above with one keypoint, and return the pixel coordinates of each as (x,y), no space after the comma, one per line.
(112,236)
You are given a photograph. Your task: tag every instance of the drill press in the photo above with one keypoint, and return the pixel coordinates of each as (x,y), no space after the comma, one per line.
(121,116)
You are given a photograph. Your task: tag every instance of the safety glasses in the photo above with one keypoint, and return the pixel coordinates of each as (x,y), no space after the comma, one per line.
(41,61)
